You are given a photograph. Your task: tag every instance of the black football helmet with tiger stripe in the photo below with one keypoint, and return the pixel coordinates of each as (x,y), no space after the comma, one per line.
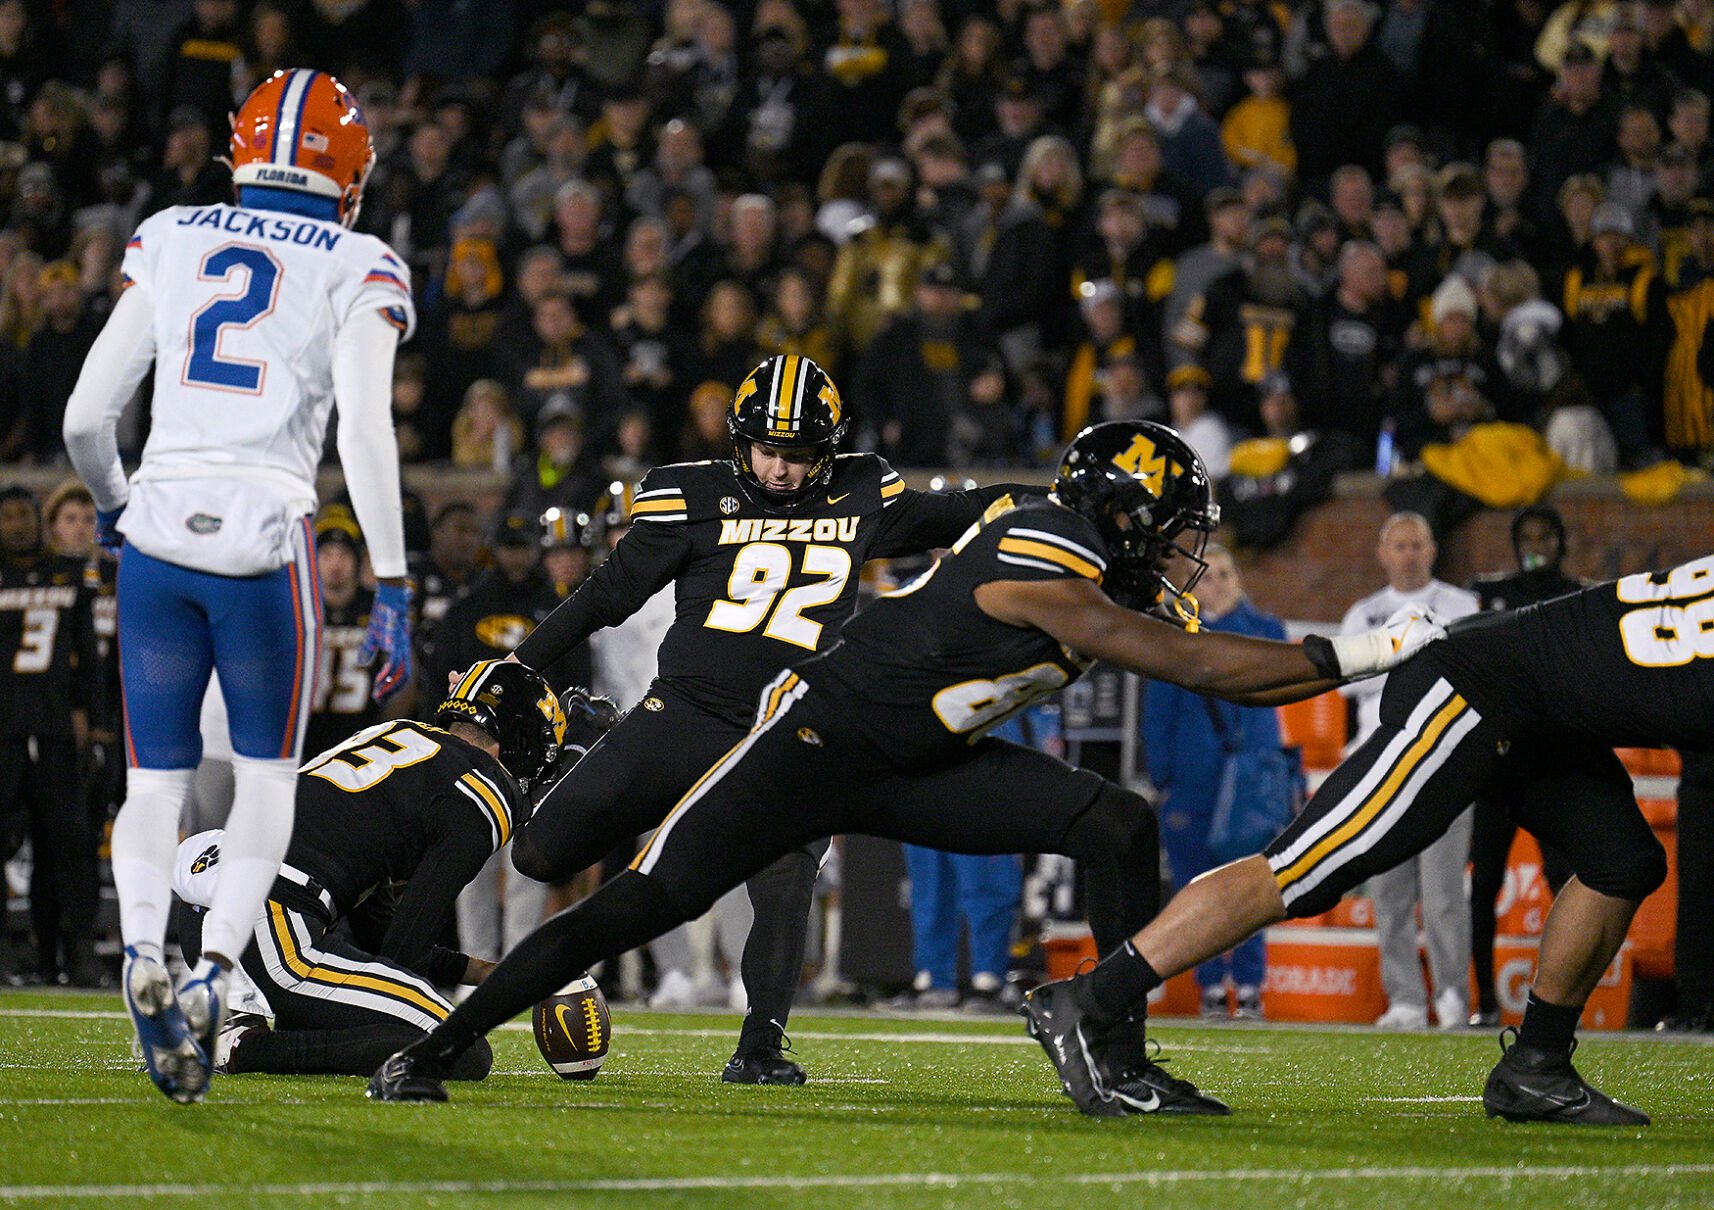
(1148,494)
(514,705)
(787,401)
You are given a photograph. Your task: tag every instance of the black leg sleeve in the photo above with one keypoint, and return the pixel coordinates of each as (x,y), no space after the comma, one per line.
(1491,841)
(1117,846)
(773,954)
(1694,951)
(628,912)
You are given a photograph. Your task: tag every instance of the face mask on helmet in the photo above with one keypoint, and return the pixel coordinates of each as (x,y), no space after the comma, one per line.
(787,402)
(1146,492)
(517,709)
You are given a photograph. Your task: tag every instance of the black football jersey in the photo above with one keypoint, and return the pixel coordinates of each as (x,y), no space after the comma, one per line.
(48,660)
(403,802)
(923,671)
(343,703)
(1629,663)
(756,587)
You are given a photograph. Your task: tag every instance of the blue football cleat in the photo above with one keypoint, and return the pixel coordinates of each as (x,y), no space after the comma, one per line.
(202,999)
(177,1065)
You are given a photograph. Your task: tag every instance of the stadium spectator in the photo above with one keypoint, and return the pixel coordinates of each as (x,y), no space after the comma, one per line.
(1617,332)
(1189,741)
(1574,131)
(53,358)
(1435,877)
(932,384)
(1203,429)
(559,470)
(1343,106)
(1449,383)
(486,433)
(1343,352)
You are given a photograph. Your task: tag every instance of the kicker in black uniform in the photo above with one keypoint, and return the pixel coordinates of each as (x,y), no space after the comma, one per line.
(885,734)
(764,553)
(391,825)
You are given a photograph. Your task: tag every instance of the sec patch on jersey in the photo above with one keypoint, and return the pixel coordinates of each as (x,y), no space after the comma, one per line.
(573,1029)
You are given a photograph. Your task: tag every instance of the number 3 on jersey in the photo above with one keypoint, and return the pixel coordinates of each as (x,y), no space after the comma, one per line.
(759,577)
(256,275)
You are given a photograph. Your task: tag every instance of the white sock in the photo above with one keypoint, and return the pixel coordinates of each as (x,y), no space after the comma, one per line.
(145,841)
(264,802)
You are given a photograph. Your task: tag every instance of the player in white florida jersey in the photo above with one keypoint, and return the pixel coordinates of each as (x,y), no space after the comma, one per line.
(258,319)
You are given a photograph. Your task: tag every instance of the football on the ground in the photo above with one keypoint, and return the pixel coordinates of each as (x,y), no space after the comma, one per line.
(573,1029)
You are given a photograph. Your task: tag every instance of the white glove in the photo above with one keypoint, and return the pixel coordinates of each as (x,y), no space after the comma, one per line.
(1375,651)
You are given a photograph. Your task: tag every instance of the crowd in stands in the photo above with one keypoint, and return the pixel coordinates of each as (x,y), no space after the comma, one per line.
(993,223)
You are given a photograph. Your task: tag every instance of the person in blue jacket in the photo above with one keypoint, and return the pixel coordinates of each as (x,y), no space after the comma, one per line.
(1186,739)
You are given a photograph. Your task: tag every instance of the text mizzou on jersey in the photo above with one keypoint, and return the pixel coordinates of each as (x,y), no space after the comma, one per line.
(754,589)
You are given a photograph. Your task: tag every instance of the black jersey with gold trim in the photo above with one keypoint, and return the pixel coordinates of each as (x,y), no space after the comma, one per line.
(404,802)
(49,665)
(1629,662)
(931,671)
(756,587)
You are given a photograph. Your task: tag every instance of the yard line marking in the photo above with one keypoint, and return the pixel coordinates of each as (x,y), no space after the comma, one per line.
(1503,1172)
(1422,1100)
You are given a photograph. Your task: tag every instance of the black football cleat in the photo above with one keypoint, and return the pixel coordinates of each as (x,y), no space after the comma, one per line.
(763,1057)
(1146,1088)
(767,1066)
(408,1078)
(1530,1085)
(1051,1017)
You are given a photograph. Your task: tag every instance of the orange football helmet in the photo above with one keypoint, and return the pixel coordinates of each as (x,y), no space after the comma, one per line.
(302,130)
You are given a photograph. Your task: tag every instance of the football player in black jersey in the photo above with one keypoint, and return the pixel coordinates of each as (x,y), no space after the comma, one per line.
(391,826)
(50,686)
(884,734)
(1537,697)
(764,553)
(343,703)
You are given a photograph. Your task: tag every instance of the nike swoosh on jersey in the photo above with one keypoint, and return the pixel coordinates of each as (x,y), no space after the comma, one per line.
(836,499)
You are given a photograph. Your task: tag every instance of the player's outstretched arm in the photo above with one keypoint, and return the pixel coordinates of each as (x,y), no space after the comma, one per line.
(117,362)
(1239,668)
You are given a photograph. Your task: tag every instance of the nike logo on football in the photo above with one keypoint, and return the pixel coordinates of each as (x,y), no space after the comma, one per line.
(836,499)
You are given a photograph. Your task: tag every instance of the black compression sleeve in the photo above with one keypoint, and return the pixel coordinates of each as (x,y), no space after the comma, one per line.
(1319,649)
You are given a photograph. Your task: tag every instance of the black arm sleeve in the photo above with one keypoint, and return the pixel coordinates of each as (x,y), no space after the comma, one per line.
(923,521)
(647,558)
(426,907)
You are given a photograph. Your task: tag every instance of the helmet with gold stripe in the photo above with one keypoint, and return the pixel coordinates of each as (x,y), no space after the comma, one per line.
(788,402)
(516,708)
(1148,494)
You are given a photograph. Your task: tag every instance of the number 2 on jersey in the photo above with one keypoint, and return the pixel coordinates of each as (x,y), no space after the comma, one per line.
(759,576)
(258,279)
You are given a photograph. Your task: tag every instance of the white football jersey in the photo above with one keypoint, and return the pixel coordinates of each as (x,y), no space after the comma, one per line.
(247,304)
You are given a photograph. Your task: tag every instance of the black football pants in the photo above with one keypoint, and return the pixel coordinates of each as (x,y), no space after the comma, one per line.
(792,780)
(1435,753)
(624,786)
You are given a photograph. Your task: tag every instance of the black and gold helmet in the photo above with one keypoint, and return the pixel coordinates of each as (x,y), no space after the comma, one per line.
(788,400)
(515,706)
(1144,488)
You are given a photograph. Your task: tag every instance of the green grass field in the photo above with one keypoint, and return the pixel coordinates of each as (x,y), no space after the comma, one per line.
(900,1112)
